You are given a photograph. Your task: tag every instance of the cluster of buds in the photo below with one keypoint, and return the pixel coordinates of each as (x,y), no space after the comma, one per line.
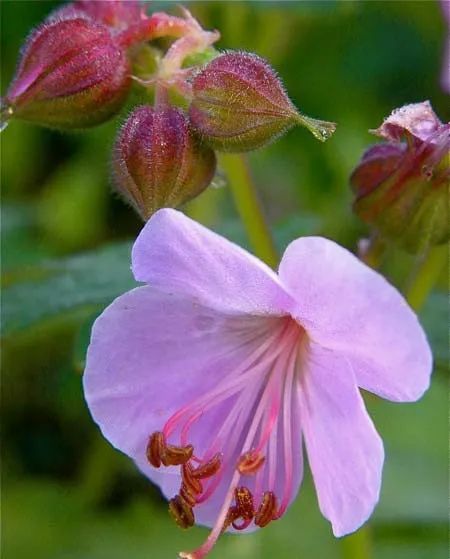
(402,185)
(76,70)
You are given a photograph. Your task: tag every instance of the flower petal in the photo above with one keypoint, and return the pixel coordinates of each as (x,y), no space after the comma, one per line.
(176,253)
(417,119)
(153,352)
(348,307)
(344,450)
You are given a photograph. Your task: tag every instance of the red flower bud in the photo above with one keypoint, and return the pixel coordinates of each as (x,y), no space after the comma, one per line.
(239,104)
(402,188)
(159,162)
(71,74)
(115,13)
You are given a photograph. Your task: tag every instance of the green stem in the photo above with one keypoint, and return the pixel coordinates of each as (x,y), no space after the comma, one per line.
(374,254)
(426,276)
(357,545)
(249,207)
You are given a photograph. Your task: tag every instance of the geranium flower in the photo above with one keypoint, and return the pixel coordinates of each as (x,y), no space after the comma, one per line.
(212,375)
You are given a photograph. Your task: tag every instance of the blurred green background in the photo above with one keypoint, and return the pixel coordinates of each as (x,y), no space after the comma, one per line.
(65,254)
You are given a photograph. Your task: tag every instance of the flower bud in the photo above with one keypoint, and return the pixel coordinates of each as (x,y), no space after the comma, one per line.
(159,162)
(115,13)
(71,74)
(239,104)
(402,187)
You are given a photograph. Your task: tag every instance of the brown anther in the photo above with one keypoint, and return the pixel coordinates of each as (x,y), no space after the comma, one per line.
(245,508)
(155,448)
(250,462)
(244,502)
(232,515)
(193,485)
(176,455)
(267,510)
(187,496)
(181,512)
(209,468)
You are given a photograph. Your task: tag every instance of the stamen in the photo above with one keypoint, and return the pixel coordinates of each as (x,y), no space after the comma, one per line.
(209,468)
(158,451)
(264,408)
(244,506)
(176,455)
(155,448)
(250,462)
(267,510)
(193,485)
(207,545)
(187,496)
(287,431)
(232,384)
(181,512)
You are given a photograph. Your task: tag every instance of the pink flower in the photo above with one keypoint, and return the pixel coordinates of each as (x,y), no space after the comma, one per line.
(212,375)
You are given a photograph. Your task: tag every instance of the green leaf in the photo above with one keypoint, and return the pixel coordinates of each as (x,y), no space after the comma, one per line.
(58,287)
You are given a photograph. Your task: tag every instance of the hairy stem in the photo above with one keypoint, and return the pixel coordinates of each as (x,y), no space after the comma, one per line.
(249,207)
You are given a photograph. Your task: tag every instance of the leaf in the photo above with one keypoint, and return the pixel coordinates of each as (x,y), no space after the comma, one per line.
(57,287)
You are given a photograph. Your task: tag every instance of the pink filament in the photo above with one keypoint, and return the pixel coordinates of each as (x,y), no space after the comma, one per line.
(273,380)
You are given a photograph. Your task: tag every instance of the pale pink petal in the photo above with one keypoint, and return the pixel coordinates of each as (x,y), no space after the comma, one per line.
(344,450)
(348,307)
(151,353)
(179,255)
(417,119)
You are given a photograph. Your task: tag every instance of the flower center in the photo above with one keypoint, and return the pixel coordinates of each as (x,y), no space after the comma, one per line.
(252,444)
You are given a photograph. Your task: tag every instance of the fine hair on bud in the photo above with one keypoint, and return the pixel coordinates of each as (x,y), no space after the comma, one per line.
(158,160)
(239,104)
(71,74)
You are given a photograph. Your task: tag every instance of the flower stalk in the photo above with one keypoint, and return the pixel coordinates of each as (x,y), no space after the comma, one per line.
(249,207)
(426,276)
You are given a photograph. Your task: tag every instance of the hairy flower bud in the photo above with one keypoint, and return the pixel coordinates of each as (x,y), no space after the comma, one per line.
(239,104)
(71,74)
(115,13)
(159,162)
(402,188)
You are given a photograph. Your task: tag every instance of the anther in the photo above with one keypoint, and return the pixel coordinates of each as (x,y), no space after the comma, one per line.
(159,452)
(181,512)
(192,484)
(244,506)
(209,468)
(176,455)
(187,496)
(155,448)
(250,462)
(232,515)
(267,510)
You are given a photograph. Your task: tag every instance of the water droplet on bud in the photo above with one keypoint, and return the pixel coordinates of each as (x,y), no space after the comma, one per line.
(239,104)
